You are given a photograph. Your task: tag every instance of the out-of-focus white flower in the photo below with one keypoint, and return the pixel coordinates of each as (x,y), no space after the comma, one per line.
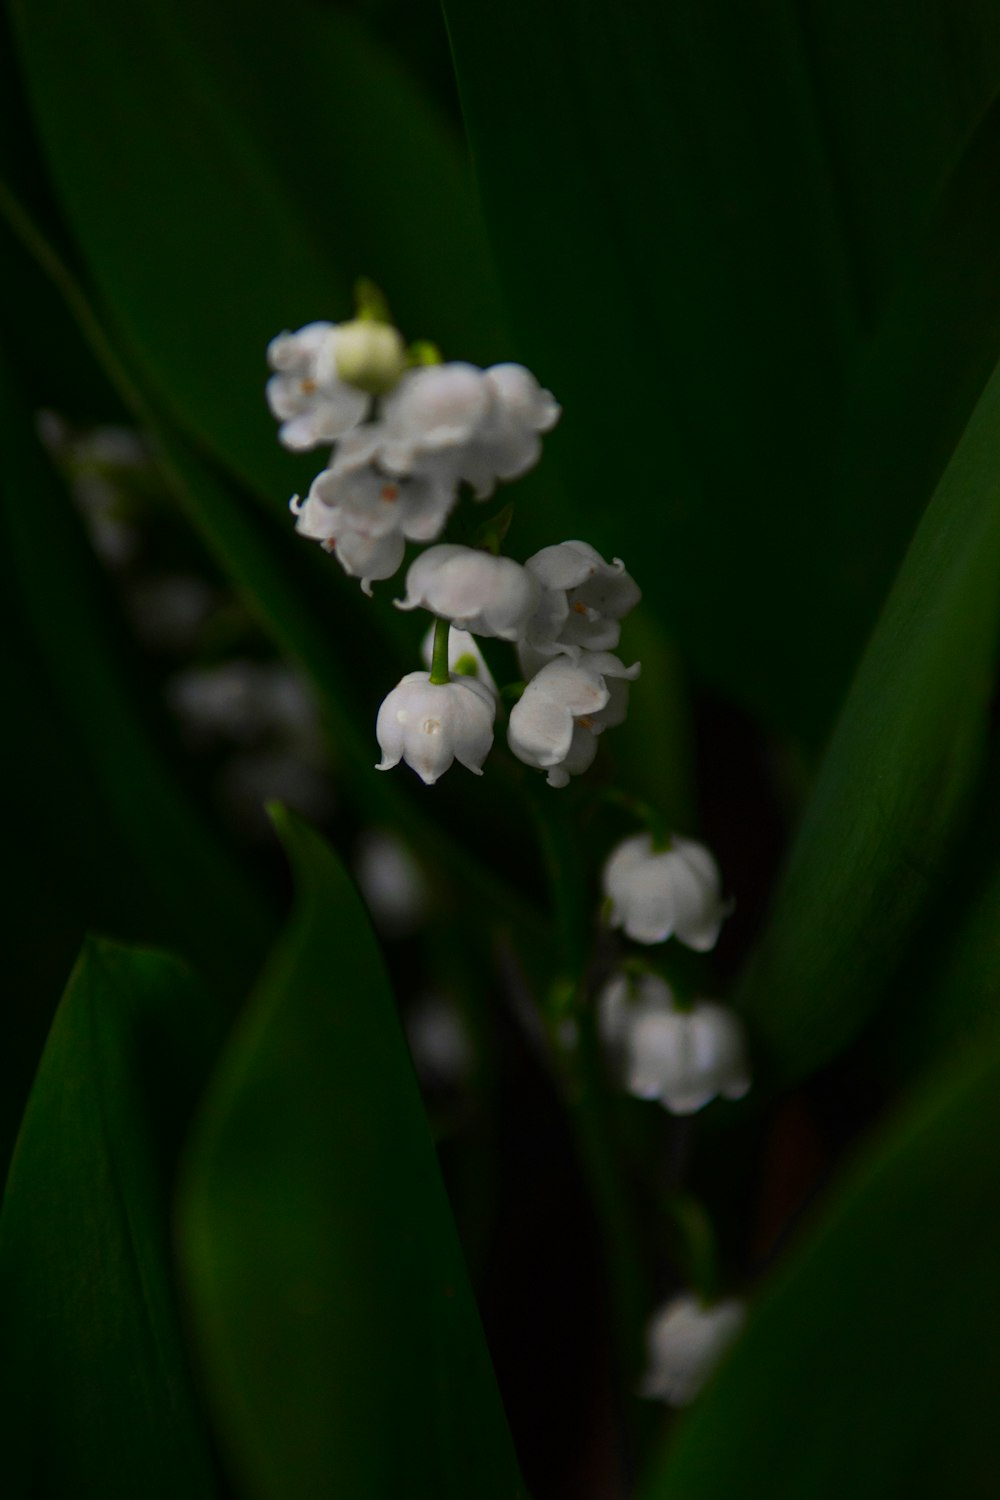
(464,656)
(369,550)
(684,1057)
(433,409)
(476,591)
(656,894)
(508,442)
(439,1041)
(243,700)
(430,725)
(584,602)
(312,403)
(564,706)
(686,1340)
(391,882)
(486,423)
(416,504)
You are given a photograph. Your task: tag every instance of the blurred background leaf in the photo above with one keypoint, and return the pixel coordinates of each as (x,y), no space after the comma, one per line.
(301,158)
(697,242)
(97,1398)
(871,1363)
(897,779)
(335,1320)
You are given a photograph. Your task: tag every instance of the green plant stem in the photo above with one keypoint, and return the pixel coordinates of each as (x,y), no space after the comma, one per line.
(584,1087)
(439,660)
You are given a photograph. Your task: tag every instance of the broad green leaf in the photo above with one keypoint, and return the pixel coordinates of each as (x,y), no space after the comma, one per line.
(179,884)
(97,1397)
(333,1314)
(870,1366)
(896,781)
(898,91)
(673,214)
(302,158)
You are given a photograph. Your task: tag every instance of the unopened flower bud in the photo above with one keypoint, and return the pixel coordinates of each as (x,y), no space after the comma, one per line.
(370,355)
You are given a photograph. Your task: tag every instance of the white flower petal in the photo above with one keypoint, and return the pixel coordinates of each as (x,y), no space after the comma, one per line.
(430,725)
(687,1340)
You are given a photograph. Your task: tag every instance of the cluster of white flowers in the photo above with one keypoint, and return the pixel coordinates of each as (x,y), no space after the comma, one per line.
(407,438)
(682,1055)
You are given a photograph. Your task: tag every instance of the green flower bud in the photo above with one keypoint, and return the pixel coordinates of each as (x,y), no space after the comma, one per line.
(369,355)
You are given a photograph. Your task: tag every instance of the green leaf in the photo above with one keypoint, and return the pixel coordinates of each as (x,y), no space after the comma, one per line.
(97,1398)
(896,781)
(303,156)
(871,1364)
(166,851)
(338,1330)
(689,222)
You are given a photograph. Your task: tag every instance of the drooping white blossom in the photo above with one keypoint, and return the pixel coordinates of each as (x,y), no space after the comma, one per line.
(660,893)
(431,725)
(584,602)
(686,1340)
(392,883)
(564,706)
(366,547)
(416,504)
(485,424)
(480,593)
(683,1056)
(312,403)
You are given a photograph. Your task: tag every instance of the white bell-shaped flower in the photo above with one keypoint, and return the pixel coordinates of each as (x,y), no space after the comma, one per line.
(433,409)
(430,725)
(563,707)
(312,403)
(484,424)
(507,442)
(585,599)
(370,550)
(686,1340)
(660,893)
(682,1056)
(416,504)
(476,591)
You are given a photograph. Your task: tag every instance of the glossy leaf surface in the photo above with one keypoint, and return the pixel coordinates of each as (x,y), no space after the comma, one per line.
(335,1319)
(98,1398)
(872,1361)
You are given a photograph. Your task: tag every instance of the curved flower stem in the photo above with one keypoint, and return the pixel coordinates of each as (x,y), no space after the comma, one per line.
(579,1067)
(439,659)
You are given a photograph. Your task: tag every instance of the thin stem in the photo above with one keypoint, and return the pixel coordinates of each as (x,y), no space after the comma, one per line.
(439,660)
(585,1091)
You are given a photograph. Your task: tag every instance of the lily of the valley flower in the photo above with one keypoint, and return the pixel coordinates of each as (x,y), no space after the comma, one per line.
(313,404)
(683,1057)
(585,599)
(656,894)
(480,593)
(484,423)
(564,706)
(431,725)
(686,1340)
